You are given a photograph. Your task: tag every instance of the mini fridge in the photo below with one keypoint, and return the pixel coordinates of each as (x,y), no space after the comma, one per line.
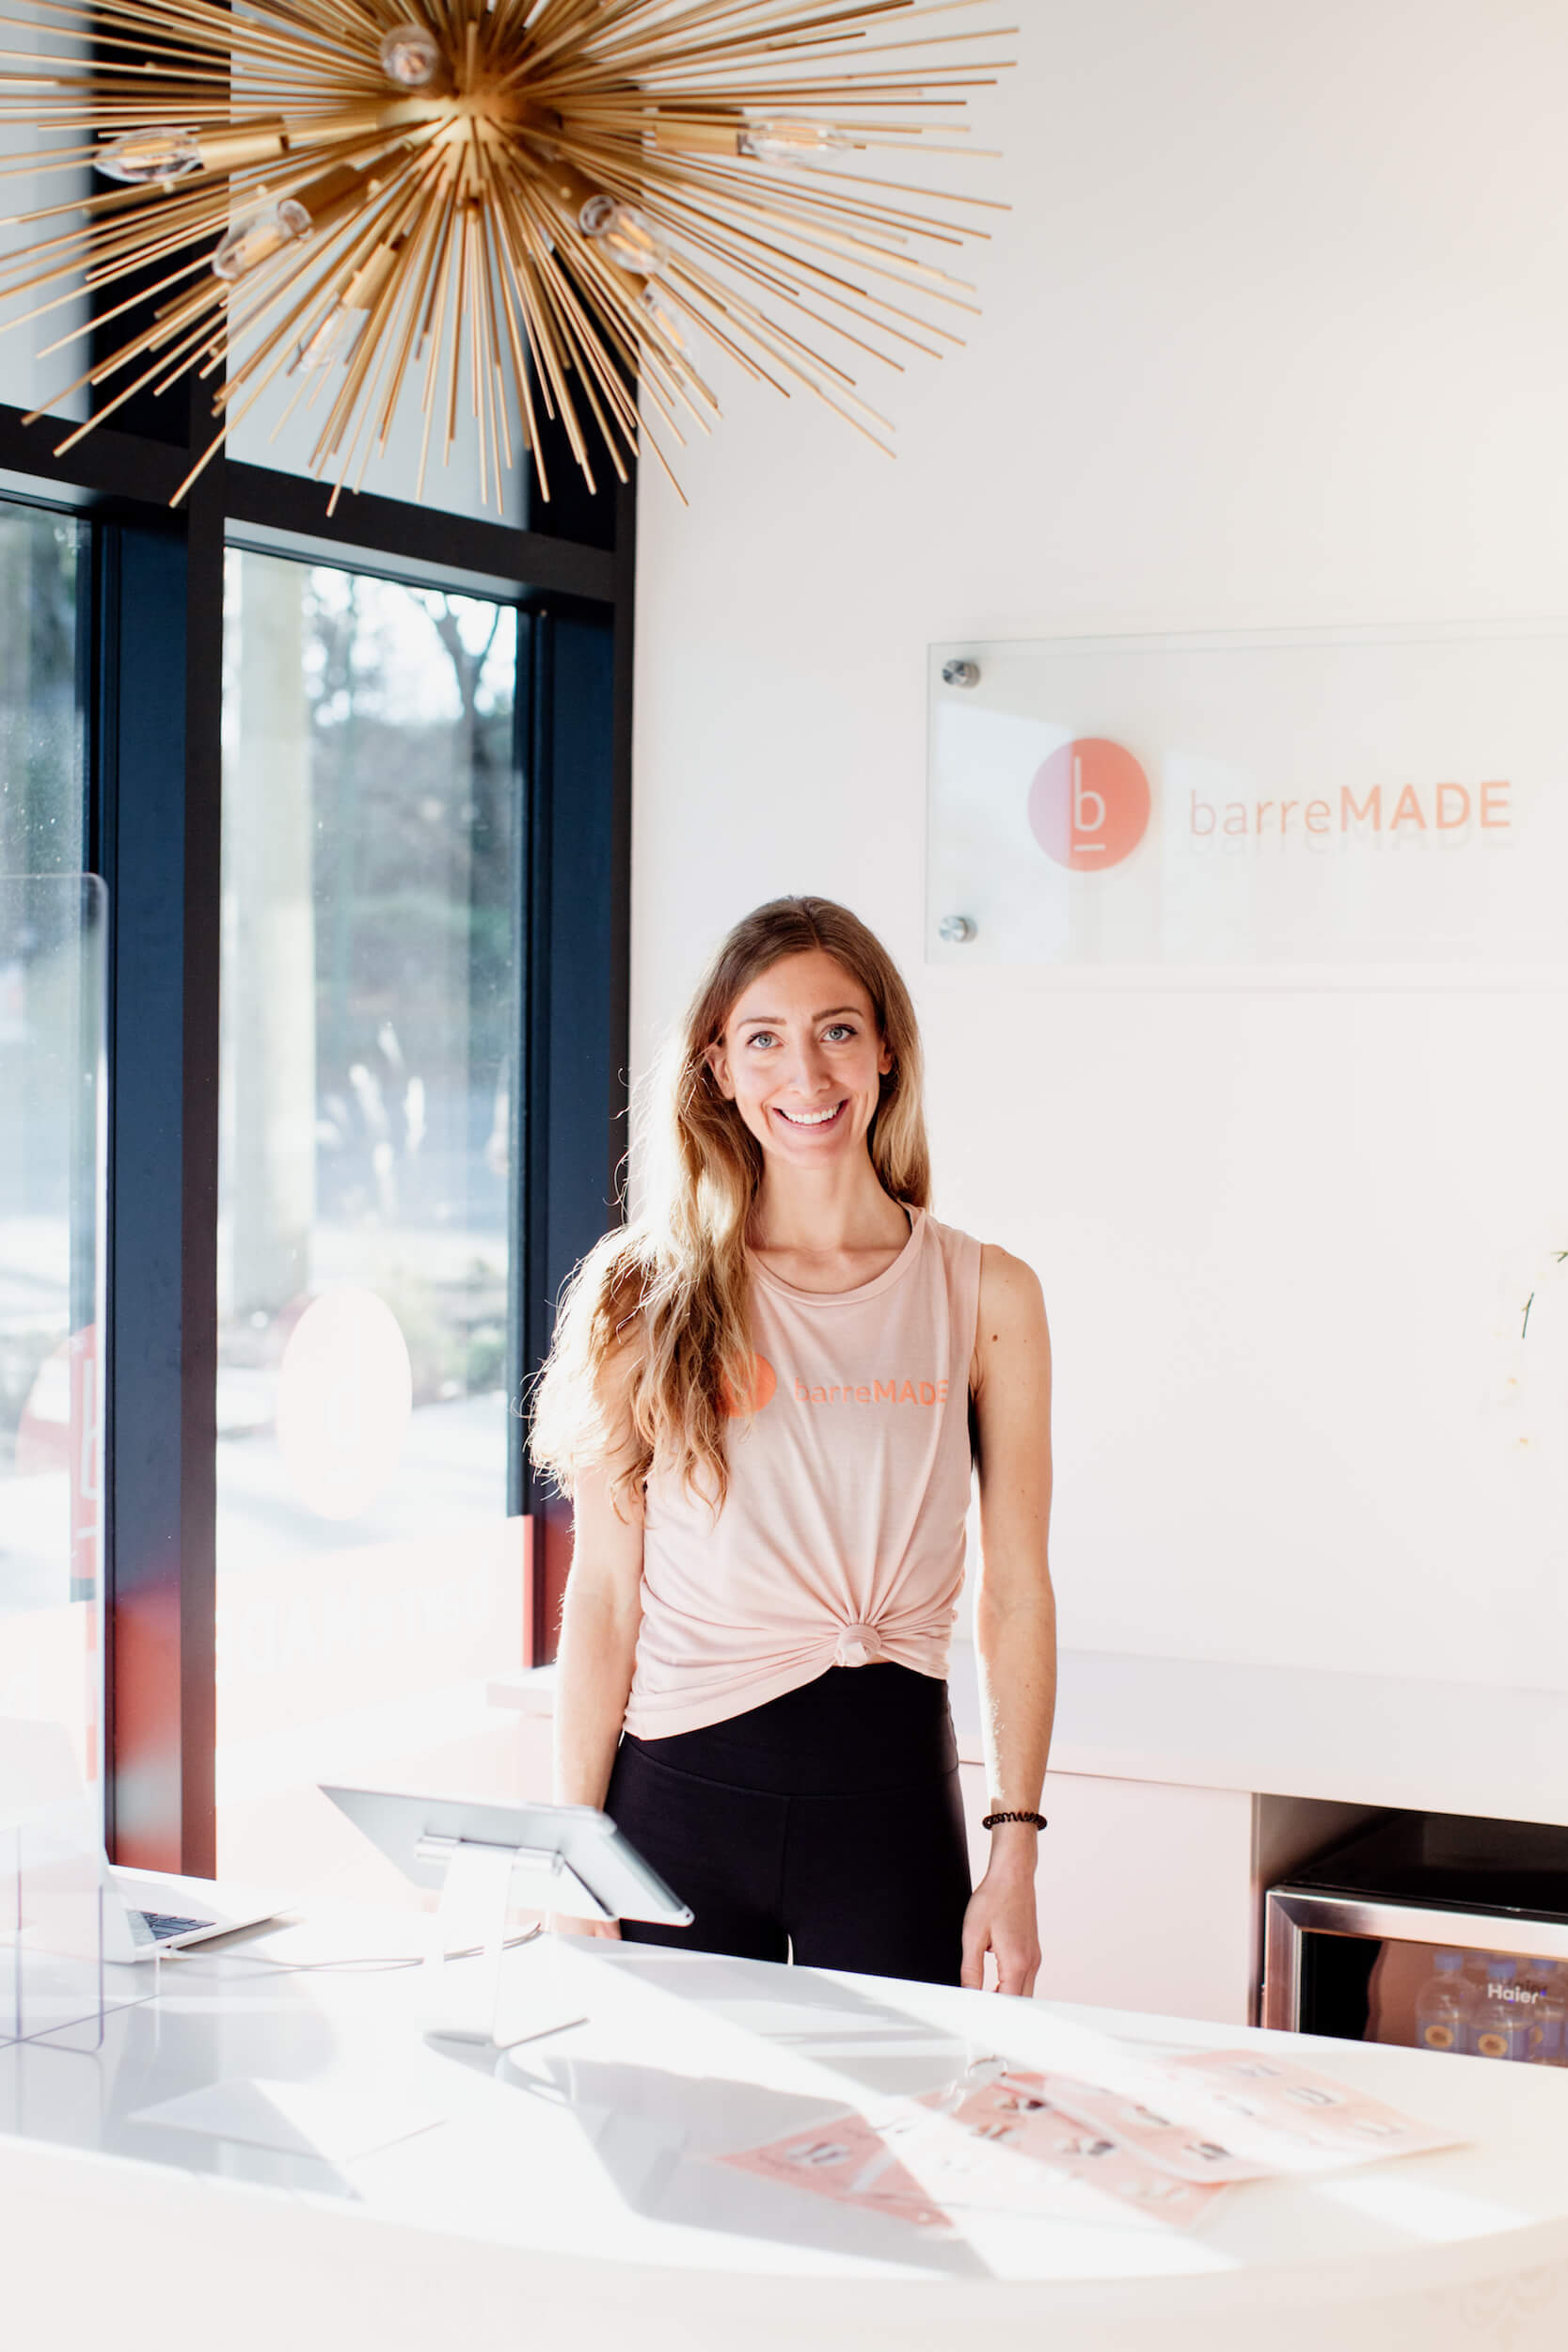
(1435,1931)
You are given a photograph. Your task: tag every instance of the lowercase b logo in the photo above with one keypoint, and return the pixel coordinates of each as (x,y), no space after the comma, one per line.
(763,1381)
(1088,804)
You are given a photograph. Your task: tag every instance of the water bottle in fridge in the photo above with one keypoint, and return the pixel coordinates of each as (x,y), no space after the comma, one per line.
(1544,1979)
(1445,2005)
(1504,2015)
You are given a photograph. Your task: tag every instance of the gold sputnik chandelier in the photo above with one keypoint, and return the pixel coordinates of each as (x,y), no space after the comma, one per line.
(497,207)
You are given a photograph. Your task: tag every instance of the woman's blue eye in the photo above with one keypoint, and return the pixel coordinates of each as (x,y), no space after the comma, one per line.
(765,1036)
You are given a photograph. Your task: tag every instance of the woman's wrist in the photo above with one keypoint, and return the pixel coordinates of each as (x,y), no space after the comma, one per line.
(1014,1846)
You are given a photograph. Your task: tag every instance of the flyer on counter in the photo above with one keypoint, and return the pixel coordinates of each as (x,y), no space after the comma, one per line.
(1007,2147)
(846,2159)
(1156,2147)
(996,2148)
(1308,2121)
(1239,2115)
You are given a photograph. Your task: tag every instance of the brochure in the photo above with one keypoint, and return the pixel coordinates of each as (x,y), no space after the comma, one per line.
(1155,2146)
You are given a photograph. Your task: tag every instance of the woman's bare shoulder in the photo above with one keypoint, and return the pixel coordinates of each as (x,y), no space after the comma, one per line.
(1009,1285)
(1010,1325)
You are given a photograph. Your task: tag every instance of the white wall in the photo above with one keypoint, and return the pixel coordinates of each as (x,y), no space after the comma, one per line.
(1276,334)
(28,380)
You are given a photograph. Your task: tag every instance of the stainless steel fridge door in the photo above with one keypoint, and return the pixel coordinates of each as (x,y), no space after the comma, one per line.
(1293,1912)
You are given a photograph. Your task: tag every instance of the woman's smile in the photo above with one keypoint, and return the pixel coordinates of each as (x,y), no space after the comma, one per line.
(812,1118)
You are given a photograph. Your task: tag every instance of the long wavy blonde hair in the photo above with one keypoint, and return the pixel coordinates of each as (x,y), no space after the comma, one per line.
(672,1282)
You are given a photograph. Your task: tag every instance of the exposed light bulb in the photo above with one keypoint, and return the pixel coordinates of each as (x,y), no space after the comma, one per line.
(784,142)
(662,319)
(333,338)
(141,156)
(623,235)
(251,242)
(410,56)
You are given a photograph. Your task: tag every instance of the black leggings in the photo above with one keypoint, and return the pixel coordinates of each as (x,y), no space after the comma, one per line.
(825,1826)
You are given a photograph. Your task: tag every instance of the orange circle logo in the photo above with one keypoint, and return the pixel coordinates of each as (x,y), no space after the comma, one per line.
(763,1381)
(1088,805)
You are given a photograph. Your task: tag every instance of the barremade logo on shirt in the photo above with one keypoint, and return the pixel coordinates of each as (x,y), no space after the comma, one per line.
(765,1382)
(875,1392)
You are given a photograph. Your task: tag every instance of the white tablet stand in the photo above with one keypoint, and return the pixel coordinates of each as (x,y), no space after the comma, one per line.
(483,1880)
(485,1856)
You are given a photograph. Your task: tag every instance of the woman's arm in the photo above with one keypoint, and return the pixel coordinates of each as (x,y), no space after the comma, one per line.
(1015,1615)
(600,1620)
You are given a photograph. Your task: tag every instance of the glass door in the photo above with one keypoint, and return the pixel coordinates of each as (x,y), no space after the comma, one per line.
(52,1145)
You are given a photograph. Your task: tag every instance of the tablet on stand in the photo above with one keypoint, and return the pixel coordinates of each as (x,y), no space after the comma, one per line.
(487,1859)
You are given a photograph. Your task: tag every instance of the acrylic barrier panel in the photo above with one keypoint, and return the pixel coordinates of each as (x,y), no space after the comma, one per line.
(52,1976)
(1338,805)
(53,1139)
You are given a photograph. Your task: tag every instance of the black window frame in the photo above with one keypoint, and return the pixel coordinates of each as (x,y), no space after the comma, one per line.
(152,826)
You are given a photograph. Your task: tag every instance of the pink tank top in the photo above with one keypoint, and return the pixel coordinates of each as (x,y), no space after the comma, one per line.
(842,1540)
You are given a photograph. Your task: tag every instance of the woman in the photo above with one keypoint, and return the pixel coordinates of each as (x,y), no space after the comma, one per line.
(765,1396)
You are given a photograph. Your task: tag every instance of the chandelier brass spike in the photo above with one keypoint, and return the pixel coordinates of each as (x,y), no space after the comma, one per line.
(488,207)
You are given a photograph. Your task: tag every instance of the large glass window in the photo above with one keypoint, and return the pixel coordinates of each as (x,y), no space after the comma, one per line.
(43,730)
(369,1579)
(51,1144)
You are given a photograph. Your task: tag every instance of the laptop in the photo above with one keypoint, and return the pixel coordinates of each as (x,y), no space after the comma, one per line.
(148,1912)
(145,1912)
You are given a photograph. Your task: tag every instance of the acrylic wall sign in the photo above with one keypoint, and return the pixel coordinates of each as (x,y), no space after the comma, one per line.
(1340,807)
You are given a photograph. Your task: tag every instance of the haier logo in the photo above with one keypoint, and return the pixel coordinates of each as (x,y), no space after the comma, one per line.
(1088,805)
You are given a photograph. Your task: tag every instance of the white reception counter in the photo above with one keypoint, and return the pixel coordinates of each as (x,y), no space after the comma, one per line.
(422,2192)
(1180,1790)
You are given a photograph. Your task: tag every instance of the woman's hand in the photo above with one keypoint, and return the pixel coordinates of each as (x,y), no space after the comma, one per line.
(1001,1919)
(558,1923)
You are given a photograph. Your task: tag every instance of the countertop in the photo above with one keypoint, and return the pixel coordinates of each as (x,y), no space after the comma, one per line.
(570,2190)
(1435,1747)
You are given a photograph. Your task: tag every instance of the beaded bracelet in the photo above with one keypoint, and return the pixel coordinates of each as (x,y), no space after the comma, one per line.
(991,1819)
